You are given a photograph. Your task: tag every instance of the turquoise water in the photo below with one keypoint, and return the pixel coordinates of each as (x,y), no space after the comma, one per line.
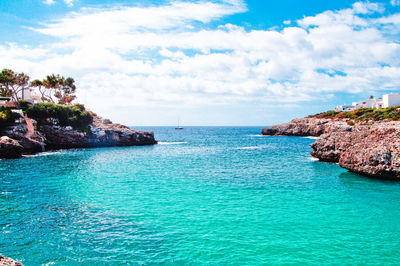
(202,196)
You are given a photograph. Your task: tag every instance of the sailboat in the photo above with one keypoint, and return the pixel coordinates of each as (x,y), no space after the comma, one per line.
(179,127)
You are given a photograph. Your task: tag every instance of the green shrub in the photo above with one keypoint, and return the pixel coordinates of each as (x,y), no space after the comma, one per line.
(364,114)
(24,105)
(7,117)
(66,115)
(327,114)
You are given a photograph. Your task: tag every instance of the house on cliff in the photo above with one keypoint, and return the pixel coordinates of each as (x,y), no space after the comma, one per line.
(370,103)
(29,95)
(346,108)
(6,101)
(390,100)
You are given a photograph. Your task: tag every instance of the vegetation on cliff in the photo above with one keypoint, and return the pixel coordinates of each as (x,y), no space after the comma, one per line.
(7,117)
(53,88)
(56,96)
(63,115)
(364,114)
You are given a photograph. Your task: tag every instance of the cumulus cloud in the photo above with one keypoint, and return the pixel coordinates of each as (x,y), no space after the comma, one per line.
(49,2)
(395,2)
(69,3)
(162,55)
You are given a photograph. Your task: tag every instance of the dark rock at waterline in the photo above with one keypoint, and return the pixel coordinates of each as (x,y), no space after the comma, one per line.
(103,133)
(10,148)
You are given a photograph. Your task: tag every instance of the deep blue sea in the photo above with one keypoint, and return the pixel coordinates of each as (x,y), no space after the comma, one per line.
(203,195)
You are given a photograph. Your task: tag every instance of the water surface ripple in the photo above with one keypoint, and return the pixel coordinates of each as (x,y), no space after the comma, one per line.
(205,195)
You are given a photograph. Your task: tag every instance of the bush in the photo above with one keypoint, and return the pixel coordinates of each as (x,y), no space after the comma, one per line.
(7,117)
(66,115)
(24,105)
(364,114)
(327,114)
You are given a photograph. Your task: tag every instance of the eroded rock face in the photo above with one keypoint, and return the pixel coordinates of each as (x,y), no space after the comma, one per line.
(8,262)
(50,137)
(306,127)
(372,150)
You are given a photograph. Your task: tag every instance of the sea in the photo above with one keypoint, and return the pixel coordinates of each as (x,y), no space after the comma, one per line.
(202,196)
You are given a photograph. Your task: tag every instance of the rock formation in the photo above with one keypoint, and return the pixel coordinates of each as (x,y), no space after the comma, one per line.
(16,141)
(307,127)
(8,262)
(371,148)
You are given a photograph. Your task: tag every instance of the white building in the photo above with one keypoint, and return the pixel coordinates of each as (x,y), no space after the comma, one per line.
(346,108)
(30,95)
(370,103)
(390,100)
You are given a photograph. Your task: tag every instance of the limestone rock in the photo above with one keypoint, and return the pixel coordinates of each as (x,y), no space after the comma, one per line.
(371,149)
(8,262)
(306,127)
(17,141)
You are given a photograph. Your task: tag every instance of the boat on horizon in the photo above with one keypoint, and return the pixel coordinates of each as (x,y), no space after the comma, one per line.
(179,127)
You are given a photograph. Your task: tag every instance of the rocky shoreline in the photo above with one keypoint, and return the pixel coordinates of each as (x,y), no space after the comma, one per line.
(370,148)
(17,141)
(8,262)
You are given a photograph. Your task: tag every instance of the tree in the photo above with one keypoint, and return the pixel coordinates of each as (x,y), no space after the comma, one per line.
(13,84)
(66,91)
(45,93)
(63,89)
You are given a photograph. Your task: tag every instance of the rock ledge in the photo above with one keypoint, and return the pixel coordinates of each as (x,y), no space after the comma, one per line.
(371,149)
(16,141)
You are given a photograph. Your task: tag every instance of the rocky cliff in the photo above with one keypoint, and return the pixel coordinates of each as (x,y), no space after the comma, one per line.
(369,148)
(17,141)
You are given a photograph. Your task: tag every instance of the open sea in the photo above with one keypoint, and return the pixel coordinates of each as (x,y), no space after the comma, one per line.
(202,196)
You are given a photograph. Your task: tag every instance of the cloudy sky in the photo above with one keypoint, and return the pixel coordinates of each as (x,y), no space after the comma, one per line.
(208,62)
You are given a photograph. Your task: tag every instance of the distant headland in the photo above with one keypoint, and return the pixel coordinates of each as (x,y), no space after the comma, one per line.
(362,140)
(40,115)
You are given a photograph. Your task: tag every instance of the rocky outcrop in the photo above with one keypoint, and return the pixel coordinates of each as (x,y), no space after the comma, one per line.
(10,148)
(101,133)
(371,149)
(306,127)
(8,262)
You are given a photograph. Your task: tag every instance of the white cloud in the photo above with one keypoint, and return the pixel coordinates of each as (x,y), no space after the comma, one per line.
(395,2)
(49,2)
(367,8)
(162,56)
(69,2)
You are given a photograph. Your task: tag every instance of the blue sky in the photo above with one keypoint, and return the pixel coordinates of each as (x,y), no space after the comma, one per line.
(215,62)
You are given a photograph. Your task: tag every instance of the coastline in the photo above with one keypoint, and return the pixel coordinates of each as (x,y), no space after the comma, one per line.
(9,262)
(371,149)
(18,141)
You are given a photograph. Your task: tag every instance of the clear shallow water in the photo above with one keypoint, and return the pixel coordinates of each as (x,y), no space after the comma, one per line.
(203,196)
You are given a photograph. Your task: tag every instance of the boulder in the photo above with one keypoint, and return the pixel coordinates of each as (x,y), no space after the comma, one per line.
(10,148)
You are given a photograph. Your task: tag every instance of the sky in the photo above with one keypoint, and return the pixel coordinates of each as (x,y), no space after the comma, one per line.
(207,62)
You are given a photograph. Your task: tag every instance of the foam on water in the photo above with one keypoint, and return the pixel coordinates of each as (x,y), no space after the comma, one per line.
(47,153)
(172,143)
(310,137)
